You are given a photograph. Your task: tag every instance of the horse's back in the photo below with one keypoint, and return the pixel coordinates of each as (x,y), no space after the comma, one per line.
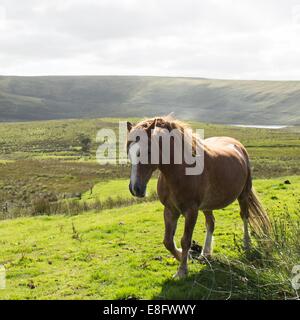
(219,144)
(226,170)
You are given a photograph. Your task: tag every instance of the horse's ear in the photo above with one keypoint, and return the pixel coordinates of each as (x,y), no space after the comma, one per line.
(171,115)
(129,126)
(152,126)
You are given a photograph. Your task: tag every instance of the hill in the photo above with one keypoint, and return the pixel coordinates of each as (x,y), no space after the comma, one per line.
(216,101)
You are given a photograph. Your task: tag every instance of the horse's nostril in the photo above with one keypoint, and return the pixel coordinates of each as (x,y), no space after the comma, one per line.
(139,190)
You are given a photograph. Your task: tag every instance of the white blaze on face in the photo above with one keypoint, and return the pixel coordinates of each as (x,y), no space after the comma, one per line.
(133,153)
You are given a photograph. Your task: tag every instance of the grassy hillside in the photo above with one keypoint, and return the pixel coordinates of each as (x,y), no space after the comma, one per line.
(85,237)
(216,101)
(118,253)
(42,162)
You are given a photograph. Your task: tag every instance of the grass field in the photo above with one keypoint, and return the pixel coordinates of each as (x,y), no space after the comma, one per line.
(43,160)
(118,254)
(71,230)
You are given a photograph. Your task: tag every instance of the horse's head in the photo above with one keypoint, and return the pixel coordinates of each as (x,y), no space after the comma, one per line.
(139,153)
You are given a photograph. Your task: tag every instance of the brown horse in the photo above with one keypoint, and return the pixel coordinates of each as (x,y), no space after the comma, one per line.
(226,176)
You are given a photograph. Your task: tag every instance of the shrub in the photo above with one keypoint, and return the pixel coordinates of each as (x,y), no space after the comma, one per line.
(40,205)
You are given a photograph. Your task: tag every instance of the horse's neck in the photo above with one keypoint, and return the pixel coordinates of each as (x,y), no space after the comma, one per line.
(173,174)
(177,172)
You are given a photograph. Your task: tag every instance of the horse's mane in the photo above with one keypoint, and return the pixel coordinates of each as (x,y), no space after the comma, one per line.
(166,122)
(170,123)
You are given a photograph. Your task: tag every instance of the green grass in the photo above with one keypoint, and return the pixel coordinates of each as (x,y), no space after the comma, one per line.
(118,254)
(6,161)
(43,160)
(108,245)
(59,139)
(114,189)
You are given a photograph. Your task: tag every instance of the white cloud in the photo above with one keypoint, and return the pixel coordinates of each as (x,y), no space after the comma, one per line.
(247,39)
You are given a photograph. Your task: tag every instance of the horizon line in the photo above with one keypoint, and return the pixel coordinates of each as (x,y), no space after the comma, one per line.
(145,76)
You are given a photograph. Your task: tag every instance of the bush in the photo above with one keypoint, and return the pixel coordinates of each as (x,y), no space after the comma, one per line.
(40,205)
(85,142)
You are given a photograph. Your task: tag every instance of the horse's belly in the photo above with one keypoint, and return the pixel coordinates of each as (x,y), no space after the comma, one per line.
(217,203)
(219,196)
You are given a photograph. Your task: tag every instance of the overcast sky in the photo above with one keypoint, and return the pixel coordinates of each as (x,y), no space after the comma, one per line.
(233,39)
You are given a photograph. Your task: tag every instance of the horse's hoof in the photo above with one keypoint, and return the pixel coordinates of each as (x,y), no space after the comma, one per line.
(180,274)
(205,257)
(247,247)
(247,244)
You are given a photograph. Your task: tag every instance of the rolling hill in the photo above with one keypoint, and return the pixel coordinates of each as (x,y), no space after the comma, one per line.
(206,100)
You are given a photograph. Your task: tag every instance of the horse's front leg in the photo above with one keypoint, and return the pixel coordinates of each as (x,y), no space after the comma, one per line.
(171,219)
(191,216)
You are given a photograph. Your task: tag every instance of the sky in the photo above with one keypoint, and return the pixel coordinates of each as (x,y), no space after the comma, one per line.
(225,39)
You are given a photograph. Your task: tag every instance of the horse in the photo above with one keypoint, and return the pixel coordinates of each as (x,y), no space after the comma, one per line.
(226,176)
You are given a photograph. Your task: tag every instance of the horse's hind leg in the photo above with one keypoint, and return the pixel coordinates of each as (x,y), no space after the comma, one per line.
(210,226)
(171,219)
(244,212)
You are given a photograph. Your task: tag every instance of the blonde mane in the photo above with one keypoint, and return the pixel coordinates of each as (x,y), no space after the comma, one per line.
(170,123)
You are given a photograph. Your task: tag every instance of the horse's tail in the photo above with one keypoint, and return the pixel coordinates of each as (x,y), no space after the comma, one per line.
(258,217)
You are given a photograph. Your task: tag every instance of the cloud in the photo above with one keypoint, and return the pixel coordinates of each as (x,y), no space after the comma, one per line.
(220,39)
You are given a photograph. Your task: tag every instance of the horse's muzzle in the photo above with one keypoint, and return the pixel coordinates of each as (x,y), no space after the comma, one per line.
(137,190)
